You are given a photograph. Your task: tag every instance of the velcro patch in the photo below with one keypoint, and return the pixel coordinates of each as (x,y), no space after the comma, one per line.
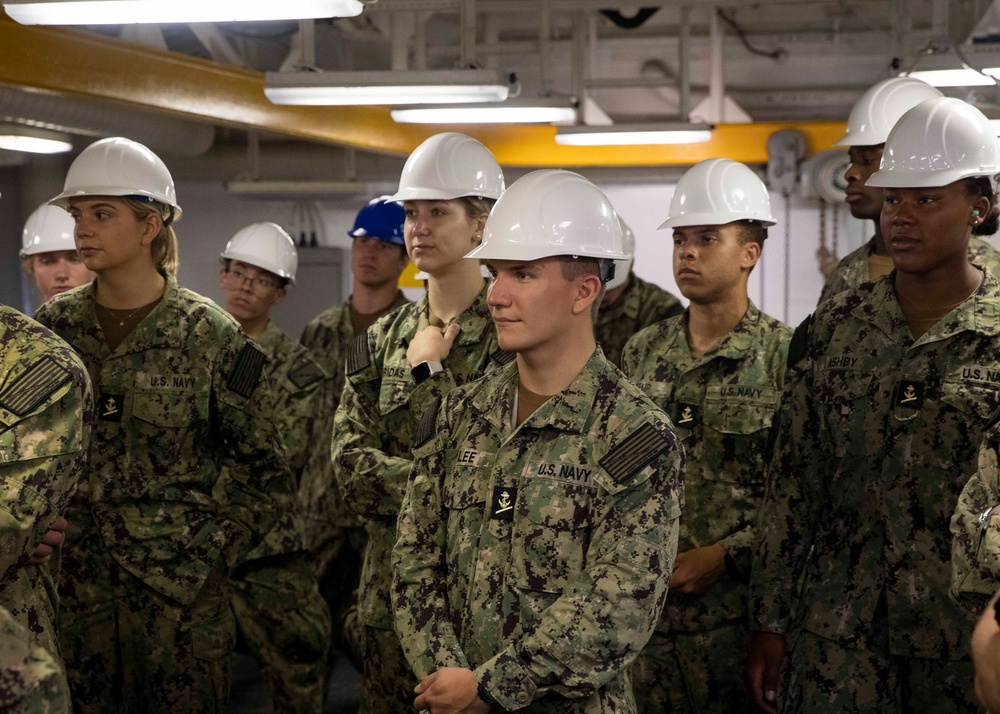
(502,357)
(635,452)
(428,421)
(687,415)
(502,508)
(34,386)
(110,406)
(798,347)
(359,355)
(305,374)
(244,377)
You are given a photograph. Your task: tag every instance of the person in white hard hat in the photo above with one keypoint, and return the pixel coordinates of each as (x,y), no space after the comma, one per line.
(282,620)
(145,621)
(890,388)
(48,253)
(718,371)
(868,126)
(538,529)
(335,534)
(403,362)
(630,304)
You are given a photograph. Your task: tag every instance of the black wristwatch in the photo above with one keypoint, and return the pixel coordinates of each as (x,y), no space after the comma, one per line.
(424,370)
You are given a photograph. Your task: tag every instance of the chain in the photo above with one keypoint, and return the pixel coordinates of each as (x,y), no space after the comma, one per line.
(788,253)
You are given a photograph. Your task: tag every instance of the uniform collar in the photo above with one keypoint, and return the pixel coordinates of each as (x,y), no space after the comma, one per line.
(270,338)
(158,330)
(733,345)
(626,306)
(568,411)
(980,313)
(475,320)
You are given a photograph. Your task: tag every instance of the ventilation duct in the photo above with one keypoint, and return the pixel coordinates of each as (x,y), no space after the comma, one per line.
(95,119)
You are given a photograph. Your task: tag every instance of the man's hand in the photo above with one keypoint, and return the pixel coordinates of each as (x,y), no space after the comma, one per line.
(53,537)
(696,571)
(451,690)
(431,344)
(765,653)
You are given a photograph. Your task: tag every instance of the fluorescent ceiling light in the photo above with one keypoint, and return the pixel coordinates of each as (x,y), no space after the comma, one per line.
(537,110)
(121,12)
(955,77)
(632,134)
(387,87)
(15,137)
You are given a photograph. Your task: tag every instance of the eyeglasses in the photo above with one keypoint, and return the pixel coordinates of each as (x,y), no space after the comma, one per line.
(259,283)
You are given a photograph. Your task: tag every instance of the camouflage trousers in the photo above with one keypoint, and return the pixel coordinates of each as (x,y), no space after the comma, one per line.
(286,626)
(387,687)
(692,672)
(825,677)
(340,555)
(128,648)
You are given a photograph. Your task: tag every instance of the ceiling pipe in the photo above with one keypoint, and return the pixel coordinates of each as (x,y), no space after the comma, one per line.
(94,119)
(716,81)
(684,65)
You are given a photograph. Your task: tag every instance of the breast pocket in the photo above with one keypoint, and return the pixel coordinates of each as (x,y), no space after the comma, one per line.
(736,436)
(846,398)
(464,498)
(166,428)
(393,395)
(551,538)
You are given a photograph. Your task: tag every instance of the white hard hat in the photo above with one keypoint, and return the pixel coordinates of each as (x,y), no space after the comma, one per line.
(120,167)
(719,191)
(622,267)
(266,246)
(48,229)
(936,143)
(447,166)
(551,212)
(879,108)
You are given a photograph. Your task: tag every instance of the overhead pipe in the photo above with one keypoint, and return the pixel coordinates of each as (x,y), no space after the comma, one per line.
(716,89)
(95,119)
(684,65)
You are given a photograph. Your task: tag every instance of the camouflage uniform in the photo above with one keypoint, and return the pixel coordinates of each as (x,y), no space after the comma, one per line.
(722,405)
(372,458)
(975,529)
(279,610)
(640,305)
(877,436)
(335,536)
(539,556)
(145,621)
(31,680)
(46,410)
(852,270)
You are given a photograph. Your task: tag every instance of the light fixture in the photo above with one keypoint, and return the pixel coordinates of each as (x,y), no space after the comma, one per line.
(633,134)
(962,77)
(387,87)
(530,110)
(949,68)
(120,12)
(15,137)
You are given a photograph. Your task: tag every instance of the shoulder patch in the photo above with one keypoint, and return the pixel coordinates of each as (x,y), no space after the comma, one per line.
(635,452)
(428,420)
(502,357)
(34,386)
(359,355)
(244,377)
(798,347)
(305,374)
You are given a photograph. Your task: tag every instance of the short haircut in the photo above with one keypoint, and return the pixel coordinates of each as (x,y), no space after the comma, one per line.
(751,232)
(573,268)
(475,207)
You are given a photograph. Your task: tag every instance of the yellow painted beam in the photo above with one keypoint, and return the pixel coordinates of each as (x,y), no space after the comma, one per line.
(78,63)
(536,146)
